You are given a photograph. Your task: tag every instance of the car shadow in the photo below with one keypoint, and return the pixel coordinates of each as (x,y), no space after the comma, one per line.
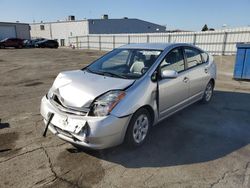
(196,134)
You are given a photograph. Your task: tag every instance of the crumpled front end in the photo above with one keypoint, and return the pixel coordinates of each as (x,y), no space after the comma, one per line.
(78,128)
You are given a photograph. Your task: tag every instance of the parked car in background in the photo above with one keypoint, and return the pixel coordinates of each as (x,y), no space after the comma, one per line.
(28,44)
(47,44)
(120,96)
(11,42)
(31,43)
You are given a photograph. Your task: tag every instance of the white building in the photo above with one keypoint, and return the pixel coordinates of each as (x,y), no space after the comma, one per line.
(62,30)
(14,30)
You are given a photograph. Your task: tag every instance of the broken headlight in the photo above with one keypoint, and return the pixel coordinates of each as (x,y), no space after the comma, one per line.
(50,94)
(104,104)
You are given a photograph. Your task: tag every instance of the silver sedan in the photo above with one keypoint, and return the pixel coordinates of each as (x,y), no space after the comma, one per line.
(120,96)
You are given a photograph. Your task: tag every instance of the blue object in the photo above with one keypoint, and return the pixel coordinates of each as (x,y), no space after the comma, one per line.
(242,64)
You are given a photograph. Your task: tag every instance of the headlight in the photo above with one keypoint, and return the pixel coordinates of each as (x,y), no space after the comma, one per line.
(103,105)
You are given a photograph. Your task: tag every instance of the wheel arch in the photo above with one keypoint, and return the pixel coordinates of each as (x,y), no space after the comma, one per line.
(213,81)
(150,110)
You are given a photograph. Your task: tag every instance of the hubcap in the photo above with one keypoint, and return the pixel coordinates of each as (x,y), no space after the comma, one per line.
(140,129)
(208,92)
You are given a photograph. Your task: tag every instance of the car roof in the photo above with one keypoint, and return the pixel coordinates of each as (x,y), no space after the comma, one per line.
(153,46)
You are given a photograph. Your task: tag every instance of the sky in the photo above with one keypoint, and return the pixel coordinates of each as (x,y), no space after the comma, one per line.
(180,14)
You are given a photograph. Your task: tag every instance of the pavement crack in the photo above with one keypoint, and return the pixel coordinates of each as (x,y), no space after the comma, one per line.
(56,176)
(245,179)
(247,165)
(58,145)
(30,151)
(148,179)
(223,177)
(225,174)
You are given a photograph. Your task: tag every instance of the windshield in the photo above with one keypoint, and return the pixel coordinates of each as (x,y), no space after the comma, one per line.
(125,63)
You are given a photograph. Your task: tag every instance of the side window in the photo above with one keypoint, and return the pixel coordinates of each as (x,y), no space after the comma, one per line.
(193,57)
(173,61)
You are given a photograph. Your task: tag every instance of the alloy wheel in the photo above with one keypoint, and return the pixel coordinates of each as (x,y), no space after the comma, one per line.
(208,92)
(140,128)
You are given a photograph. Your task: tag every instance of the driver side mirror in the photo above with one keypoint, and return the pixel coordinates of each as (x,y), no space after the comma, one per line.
(169,74)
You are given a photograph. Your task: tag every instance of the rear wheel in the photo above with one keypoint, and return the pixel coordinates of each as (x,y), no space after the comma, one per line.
(138,128)
(208,93)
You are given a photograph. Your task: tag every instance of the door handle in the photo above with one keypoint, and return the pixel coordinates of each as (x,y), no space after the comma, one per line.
(186,79)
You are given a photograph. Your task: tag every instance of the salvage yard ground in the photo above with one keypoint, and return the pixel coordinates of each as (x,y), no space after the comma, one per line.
(201,146)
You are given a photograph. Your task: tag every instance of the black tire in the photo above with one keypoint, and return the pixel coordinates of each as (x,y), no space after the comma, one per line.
(130,140)
(208,93)
(2,46)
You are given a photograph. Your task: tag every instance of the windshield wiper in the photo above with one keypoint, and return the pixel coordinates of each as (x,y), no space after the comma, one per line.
(106,73)
(112,74)
(95,72)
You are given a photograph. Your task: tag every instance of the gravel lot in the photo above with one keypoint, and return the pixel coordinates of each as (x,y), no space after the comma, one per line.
(201,146)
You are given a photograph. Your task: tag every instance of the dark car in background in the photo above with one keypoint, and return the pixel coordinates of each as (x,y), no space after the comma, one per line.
(11,42)
(31,43)
(47,44)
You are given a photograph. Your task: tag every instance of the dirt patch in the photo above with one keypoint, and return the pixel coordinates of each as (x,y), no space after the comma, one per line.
(33,84)
(91,53)
(15,69)
(4,125)
(79,168)
(21,82)
(7,141)
(27,81)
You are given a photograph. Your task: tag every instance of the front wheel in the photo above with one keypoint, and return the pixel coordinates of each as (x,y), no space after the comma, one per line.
(138,128)
(208,93)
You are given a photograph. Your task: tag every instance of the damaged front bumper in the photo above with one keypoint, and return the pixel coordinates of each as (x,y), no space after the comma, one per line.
(86,131)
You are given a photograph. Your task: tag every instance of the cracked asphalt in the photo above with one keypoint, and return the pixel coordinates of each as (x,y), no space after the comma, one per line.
(201,146)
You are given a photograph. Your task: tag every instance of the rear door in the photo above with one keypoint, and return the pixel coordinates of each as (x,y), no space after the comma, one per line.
(197,69)
(173,92)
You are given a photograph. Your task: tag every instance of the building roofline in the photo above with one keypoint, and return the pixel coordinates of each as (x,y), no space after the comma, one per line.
(14,23)
(69,21)
(57,22)
(127,19)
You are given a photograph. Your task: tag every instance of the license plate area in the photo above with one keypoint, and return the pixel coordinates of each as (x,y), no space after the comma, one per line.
(68,124)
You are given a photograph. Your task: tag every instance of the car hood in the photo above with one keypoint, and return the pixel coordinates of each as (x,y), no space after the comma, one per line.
(79,88)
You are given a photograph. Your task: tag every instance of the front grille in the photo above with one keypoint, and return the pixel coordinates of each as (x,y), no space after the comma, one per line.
(65,133)
(69,110)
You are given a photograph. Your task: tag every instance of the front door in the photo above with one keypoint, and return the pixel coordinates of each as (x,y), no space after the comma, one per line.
(174,91)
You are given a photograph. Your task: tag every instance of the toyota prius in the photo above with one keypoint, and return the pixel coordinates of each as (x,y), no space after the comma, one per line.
(120,96)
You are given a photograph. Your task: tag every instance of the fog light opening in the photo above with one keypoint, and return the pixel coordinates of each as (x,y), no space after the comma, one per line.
(85,131)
